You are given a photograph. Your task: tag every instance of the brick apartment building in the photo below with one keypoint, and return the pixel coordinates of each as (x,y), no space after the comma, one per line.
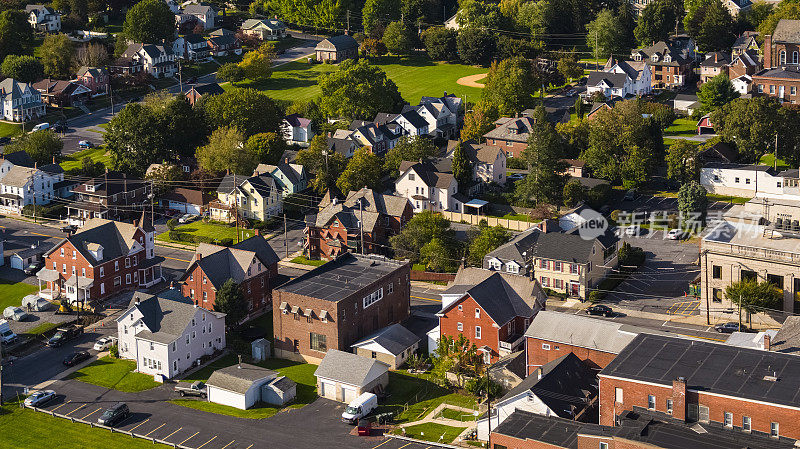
(510,134)
(251,263)
(782,47)
(103,258)
(742,390)
(113,196)
(670,61)
(336,227)
(339,303)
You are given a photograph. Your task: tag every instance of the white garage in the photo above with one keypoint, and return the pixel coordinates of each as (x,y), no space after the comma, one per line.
(20,259)
(342,376)
(238,385)
(186,201)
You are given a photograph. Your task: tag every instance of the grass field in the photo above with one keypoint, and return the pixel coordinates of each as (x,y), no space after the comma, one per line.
(25,429)
(728,199)
(10,129)
(97,154)
(682,127)
(116,374)
(769,159)
(42,328)
(213,231)
(421,396)
(305,261)
(457,415)
(432,432)
(11,293)
(415,76)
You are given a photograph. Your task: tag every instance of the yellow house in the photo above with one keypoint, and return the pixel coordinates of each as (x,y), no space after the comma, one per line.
(255,197)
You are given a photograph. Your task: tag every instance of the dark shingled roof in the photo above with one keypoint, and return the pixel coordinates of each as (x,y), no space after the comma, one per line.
(498,299)
(165,318)
(338,43)
(788,31)
(612,79)
(429,174)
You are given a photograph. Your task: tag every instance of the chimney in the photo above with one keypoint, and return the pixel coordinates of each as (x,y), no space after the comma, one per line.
(679,398)
(137,301)
(286,161)
(768,51)
(54,159)
(34,165)
(199,257)
(767,342)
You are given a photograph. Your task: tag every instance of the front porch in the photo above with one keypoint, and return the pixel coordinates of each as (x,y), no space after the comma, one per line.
(510,344)
(149,272)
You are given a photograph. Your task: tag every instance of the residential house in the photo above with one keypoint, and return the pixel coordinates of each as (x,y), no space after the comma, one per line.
(186,201)
(58,93)
(736,389)
(746,63)
(392,345)
(43,18)
(749,181)
(336,49)
(296,130)
(101,259)
(510,134)
(111,196)
(488,162)
(597,107)
(289,178)
(337,304)
(24,257)
(747,42)
(705,125)
(95,78)
(779,82)
(338,227)
(342,376)
(743,84)
(427,188)
(20,101)
(576,168)
(264,29)
(252,264)
(620,79)
(782,47)
(564,387)
(719,152)
(224,45)
(173,6)
(686,103)
(715,63)
(167,336)
(22,186)
(198,91)
(244,385)
(442,115)
(254,197)
(736,7)
(670,61)
(206,14)
(412,122)
(157,60)
(196,47)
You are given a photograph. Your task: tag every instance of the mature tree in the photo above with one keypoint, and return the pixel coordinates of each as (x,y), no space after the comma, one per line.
(231,72)
(399,38)
(363,170)
(479,14)
(580,108)
(476,46)
(683,162)
(511,85)
(257,64)
(554,17)
(230,301)
(41,146)
(656,21)
(268,147)
(149,22)
(784,10)
(26,69)
(420,230)
(226,151)
(546,179)
(479,121)
(439,256)
(15,32)
(752,125)
(487,240)
(91,55)
(607,35)
(325,14)
(757,14)
(308,109)
(358,90)
(164,178)
(692,200)
(325,165)
(576,136)
(440,43)
(510,47)
(407,149)
(710,24)
(247,110)
(574,193)
(373,47)
(569,68)
(753,296)
(716,93)
(376,14)
(415,11)
(57,53)
(458,356)
(462,166)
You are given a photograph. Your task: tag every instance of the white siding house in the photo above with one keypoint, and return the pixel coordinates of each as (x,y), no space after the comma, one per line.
(426,188)
(20,101)
(749,181)
(620,79)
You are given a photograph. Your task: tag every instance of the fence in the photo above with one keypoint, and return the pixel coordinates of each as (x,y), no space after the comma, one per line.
(431,276)
(514,225)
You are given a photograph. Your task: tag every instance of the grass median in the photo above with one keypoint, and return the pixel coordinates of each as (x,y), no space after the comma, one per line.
(116,374)
(434,432)
(11,293)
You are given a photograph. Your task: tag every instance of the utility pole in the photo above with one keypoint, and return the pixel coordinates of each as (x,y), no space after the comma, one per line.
(740,312)
(775,162)
(348,21)
(1,372)
(489,409)
(596,44)
(180,76)
(361,224)
(236,206)
(285,236)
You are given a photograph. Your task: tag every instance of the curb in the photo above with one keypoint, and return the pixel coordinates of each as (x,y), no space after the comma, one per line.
(429,443)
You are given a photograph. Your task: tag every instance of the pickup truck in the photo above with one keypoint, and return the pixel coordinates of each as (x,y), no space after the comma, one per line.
(194,389)
(63,334)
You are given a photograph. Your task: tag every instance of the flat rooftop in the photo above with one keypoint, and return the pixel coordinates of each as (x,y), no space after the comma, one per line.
(752,235)
(341,277)
(715,368)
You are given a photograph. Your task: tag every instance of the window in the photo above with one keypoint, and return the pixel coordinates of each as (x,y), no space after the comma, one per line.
(760,88)
(460,308)
(716,295)
(772,89)
(782,57)
(102,272)
(116,265)
(477,332)
(127,262)
(557,266)
(390,288)
(151,346)
(691,412)
(117,281)
(62,252)
(74,255)
(128,278)
(411,176)
(545,346)
(477,312)
(460,327)
(794,57)
(728,420)
(736,180)
(191,293)
(205,296)
(716,272)
(372,298)
(618,397)
(651,402)
(544,281)
(746,423)
(703,413)
(669,406)
(319,342)
(575,268)
(793,90)
(603,445)
(191,277)
(747,180)
(174,346)
(495,264)
(542,263)
(773,427)
(187,339)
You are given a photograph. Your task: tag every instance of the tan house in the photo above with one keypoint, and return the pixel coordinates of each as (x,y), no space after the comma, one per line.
(254,197)
(391,345)
(336,49)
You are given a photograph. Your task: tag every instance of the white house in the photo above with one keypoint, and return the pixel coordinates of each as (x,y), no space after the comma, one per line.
(166,334)
(428,189)
(412,123)
(20,101)
(206,14)
(442,115)
(264,29)
(743,84)
(21,186)
(238,385)
(750,181)
(157,60)
(43,18)
(488,163)
(620,79)
(296,130)
(391,345)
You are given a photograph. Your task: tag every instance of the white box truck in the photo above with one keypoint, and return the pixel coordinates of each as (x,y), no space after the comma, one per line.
(360,407)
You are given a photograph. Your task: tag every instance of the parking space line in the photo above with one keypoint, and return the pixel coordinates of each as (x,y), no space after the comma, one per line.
(86,416)
(81,406)
(173,433)
(401,447)
(181,443)
(388,440)
(212,439)
(148,433)
(60,406)
(248,447)
(137,426)
(232,441)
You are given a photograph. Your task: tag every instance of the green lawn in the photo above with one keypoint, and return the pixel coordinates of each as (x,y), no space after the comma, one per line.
(731,199)
(518,217)
(75,160)
(42,328)
(116,374)
(682,127)
(26,429)
(769,159)
(305,261)
(415,76)
(10,129)
(457,415)
(432,432)
(214,231)
(411,397)
(11,293)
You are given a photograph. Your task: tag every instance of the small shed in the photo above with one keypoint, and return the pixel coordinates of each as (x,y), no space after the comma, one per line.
(342,376)
(391,345)
(336,49)
(260,349)
(20,259)
(238,385)
(35,303)
(279,391)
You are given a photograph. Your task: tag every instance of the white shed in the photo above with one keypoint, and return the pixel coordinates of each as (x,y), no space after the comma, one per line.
(343,376)
(238,385)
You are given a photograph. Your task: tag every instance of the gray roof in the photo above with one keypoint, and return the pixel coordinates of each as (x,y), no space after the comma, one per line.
(166,319)
(674,48)
(787,339)
(337,43)
(194,8)
(716,59)
(514,129)
(221,263)
(283,383)
(778,72)
(466,277)
(787,30)
(239,378)
(116,238)
(582,331)
(498,299)
(428,173)
(414,118)
(37,250)
(19,158)
(394,338)
(10,89)
(349,368)
(18,176)
(566,247)
(342,277)
(612,79)
(373,205)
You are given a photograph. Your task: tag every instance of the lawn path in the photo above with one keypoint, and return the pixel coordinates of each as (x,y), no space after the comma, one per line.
(472,80)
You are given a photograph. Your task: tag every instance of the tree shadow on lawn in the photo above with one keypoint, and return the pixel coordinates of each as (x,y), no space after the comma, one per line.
(407,61)
(295,82)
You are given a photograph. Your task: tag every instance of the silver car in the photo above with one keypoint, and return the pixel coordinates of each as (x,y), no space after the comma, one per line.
(38,398)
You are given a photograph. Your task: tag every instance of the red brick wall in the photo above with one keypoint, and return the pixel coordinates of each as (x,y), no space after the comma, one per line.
(515,148)
(489,334)
(318,248)
(256,295)
(508,442)
(537,356)
(431,276)
(786,83)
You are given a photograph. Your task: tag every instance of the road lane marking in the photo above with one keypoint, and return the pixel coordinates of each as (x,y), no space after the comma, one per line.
(375,446)
(137,426)
(401,447)
(148,433)
(181,443)
(248,447)
(223,447)
(60,406)
(82,406)
(212,439)
(86,416)
(173,433)
(179,260)
(427,299)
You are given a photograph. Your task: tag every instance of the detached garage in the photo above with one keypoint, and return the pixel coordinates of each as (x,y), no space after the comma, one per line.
(238,385)
(342,376)
(186,201)
(20,259)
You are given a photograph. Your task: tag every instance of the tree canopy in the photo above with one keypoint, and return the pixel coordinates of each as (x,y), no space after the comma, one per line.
(399,38)
(407,149)
(546,179)
(607,35)
(716,92)
(510,85)
(257,64)
(247,110)
(692,199)
(462,166)
(226,152)
(15,33)
(268,147)
(754,296)
(752,124)
(476,46)
(326,166)
(656,21)
(421,230)
(363,170)
(683,162)
(26,69)
(487,240)
(41,146)
(149,22)
(440,43)
(230,301)
(57,54)
(358,90)
(479,121)
(376,14)
(710,24)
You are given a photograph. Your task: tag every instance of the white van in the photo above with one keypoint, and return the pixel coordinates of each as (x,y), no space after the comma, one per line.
(360,407)
(6,334)
(40,127)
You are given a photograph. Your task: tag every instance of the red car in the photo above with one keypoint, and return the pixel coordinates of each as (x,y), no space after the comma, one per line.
(364,427)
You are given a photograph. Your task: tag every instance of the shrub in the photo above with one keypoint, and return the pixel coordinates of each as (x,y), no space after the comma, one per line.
(175,236)
(227,241)
(171,224)
(202,239)
(516,163)
(595,296)
(113,351)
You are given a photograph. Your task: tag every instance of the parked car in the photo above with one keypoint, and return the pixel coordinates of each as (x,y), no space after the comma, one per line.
(114,415)
(676,234)
(68,229)
(364,427)
(40,127)
(7,336)
(186,218)
(38,398)
(730,327)
(33,268)
(600,310)
(15,314)
(633,230)
(61,127)
(516,176)
(630,195)
(76,358)
(63,334)
(5,140)
(104,343)
(196,388)
(85,144)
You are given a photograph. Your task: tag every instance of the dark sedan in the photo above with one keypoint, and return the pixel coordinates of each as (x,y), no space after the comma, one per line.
(76,358)
(600,310)
(729,328)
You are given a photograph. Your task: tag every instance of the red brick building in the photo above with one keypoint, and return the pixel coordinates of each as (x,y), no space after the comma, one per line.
(335,229)
(95,78)
(112,196)
(251,263)
(103,258)
(339,303)
(782,47)
(781,83)
(670,61)
(746,391)
(510,134)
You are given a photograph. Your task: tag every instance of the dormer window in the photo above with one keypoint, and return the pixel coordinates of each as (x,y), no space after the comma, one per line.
(668,58)
(654,58)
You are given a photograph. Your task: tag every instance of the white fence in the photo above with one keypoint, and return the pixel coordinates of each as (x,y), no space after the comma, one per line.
(514,225)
